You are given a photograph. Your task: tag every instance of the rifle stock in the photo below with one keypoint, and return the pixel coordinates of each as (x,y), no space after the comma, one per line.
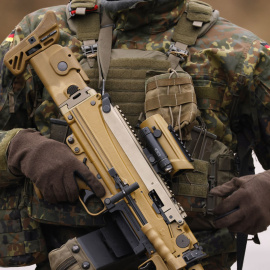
(102,139)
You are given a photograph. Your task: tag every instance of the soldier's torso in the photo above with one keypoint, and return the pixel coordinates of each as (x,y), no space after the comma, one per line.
(214,64)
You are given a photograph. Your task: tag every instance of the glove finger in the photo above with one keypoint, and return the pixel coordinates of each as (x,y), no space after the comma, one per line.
(230,203)
(92,182)
(72,189)
(225,189)
(230,220)
(49,195)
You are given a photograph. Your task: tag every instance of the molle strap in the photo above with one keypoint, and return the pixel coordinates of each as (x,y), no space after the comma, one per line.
(162,101)
(167,82)
(59,130)
(85,22)
(194,22)
(191,22)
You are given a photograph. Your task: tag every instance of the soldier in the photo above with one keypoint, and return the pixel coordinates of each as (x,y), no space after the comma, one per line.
(229,69)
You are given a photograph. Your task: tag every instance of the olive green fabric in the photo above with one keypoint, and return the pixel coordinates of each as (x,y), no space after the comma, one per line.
(192,188)
(69,256)
(172,95)
(186,32)
(83,4)
(194,183)
(7,137)
(7,178)
(126,78)
(86,27)
(199,11)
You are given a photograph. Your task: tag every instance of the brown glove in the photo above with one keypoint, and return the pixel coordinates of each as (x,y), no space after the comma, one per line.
(250,195)
(51,166)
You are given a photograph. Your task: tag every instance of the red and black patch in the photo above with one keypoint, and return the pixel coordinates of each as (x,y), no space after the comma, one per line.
(264,44)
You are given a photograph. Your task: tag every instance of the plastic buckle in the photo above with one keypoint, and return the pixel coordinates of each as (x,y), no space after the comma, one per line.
(87,50)
(182,54)
(70,10)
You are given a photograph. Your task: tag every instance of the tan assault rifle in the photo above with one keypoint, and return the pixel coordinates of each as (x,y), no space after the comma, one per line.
(105,143)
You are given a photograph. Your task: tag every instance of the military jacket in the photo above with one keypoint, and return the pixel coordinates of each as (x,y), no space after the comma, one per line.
(229,61)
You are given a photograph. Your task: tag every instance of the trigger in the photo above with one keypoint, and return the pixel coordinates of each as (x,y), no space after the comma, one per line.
(86,195)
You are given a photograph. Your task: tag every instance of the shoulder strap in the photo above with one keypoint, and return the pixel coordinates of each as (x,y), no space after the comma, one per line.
(83,18)
(196,21)
(197,17)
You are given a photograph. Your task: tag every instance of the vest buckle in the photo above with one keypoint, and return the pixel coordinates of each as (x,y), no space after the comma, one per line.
(90,50)
(182,54)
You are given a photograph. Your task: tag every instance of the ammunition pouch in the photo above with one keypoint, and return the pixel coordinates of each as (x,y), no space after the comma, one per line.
(105,248)
(70,256)
(73,256)
(172,95)
(21,239)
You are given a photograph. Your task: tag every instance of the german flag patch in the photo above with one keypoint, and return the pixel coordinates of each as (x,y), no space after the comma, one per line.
(10,37)
(265,45)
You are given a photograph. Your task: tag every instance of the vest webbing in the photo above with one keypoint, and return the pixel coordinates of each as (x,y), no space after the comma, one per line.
(85,25)
(196,21)
(198,18)
(190,24)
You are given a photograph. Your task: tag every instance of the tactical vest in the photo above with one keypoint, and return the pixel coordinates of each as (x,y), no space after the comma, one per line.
(148,82)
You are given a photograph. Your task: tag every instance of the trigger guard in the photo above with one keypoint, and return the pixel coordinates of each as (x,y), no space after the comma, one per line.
(86,195)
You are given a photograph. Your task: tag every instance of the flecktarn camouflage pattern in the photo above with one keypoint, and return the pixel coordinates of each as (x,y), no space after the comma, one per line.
(21,239)
(231,76)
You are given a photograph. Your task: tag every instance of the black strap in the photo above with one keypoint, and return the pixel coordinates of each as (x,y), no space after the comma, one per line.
(244,153)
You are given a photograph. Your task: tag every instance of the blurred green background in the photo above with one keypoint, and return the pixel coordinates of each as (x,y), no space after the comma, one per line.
(250,14)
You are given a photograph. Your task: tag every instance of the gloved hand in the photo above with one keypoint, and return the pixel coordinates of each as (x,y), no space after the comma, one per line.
(251,194)
(51,166)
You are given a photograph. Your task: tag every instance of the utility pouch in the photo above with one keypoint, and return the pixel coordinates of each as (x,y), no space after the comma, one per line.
(214,164)
(110,247)
(173,96)
(21,239)
(69,256)
(223,167)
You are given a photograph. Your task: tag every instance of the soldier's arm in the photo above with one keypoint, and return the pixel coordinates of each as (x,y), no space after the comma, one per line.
(13,111)
(255,120)
(21,95)
(260,101)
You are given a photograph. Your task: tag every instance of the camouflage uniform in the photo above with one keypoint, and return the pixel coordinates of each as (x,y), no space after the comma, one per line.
(228,59)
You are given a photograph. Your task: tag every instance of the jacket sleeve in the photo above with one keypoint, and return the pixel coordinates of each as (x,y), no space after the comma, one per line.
(15,103)
(257,108)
